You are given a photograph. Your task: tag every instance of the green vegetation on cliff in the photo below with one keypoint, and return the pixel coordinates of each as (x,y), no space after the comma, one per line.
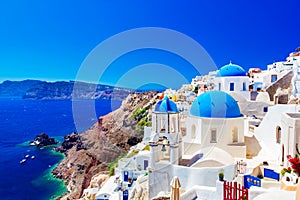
(141,116)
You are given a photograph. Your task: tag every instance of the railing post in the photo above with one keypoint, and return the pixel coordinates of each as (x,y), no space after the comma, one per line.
(224,190)
(235,190)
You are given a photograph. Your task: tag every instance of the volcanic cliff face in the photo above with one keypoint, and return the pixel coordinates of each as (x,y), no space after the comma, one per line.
(89,153)
(34,89)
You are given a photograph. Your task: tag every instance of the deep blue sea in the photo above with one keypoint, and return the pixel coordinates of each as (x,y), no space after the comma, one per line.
(20,121)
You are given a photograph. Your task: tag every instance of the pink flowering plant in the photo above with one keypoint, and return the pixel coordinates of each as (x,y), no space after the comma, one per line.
(295,162)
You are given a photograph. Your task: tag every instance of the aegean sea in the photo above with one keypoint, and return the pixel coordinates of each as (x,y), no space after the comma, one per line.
(20,121)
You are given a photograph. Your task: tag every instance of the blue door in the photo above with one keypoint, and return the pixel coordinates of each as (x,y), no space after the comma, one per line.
(126,176)
(269,173)
(125,195)
(145,164)
(251,181)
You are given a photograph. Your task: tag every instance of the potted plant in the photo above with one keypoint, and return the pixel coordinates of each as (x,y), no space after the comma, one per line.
(286,170)
(221,176)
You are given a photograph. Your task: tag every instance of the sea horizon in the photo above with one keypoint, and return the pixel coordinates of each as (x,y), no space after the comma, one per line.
(145,87)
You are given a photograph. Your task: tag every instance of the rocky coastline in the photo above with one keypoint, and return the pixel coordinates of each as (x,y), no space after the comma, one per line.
(89,153)
(42,140)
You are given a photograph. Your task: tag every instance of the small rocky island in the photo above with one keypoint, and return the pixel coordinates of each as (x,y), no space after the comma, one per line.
(42,140)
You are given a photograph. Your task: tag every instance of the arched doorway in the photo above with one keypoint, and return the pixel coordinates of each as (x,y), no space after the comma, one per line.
(235,135)
(278,134)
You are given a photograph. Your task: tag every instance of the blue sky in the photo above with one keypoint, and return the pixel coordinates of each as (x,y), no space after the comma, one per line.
(49,40)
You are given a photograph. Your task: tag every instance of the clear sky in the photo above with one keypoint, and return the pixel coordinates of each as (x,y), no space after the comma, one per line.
(50,39)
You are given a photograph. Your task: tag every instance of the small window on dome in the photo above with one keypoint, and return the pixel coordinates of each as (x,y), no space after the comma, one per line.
(231,87)
(213,136)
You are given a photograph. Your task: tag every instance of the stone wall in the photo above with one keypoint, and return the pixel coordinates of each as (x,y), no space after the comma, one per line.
(283,83)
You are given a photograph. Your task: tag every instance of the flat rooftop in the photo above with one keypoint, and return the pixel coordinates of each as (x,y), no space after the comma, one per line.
(294,115)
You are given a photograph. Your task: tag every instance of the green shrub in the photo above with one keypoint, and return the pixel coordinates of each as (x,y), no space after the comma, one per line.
(111,171)
(111,166)
(221,176)
(139,113)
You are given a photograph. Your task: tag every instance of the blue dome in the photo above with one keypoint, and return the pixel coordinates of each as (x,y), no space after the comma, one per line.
(165,105)
(231,70)
(215,104)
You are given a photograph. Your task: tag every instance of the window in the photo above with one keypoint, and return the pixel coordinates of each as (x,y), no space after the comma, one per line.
(234,135)
(273,78)
(193,134)
(278,134)
(162,124)
(244,86)
(172,125)
(231,87)
(219,86)
(145,164)
(213,136)
(265,109)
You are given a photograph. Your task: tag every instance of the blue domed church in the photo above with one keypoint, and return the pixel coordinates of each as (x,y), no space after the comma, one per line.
(231,78)
(213,136)
(215,122)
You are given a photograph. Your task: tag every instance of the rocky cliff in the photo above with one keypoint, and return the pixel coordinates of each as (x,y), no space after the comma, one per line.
(34,89)
(16,88)
(111,136)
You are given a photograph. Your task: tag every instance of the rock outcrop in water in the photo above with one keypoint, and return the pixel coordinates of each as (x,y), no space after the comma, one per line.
(111,136)
(43,140)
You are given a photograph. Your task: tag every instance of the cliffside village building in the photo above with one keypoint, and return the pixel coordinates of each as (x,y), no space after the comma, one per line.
(223,128)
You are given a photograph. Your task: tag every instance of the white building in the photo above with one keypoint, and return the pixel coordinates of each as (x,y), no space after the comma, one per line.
(262,79)
(215,122)
(290,135)
(232,78)
(288,64)
(295,59)
(203,165)
(107,191)
(278,133)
